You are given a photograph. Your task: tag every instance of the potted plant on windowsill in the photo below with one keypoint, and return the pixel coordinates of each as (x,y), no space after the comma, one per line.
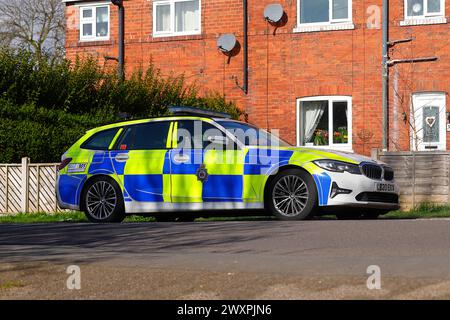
(341,135)
(320,137)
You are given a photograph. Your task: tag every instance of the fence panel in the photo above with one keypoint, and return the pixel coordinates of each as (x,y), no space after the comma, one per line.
(28,187)
(423,177)
(3,189)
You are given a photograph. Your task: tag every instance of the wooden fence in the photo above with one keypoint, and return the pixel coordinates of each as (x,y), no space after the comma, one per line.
(423,177)
(28,187)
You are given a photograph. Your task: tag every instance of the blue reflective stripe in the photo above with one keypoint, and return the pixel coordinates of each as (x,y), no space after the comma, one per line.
(148,187)
(166,167)
(101,164)
(323,182)
(196,158)
(119,166)
(69,188)
(263,161)
(254,169)
(223,188)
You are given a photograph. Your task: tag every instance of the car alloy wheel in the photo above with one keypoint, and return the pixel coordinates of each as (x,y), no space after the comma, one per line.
(101,200)
(290,195)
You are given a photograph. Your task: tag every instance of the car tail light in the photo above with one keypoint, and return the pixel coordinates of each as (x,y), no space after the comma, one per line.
(64,163)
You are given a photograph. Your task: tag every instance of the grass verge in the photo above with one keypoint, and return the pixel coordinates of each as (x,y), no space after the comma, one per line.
(43,217)
(11,284)
(422,211)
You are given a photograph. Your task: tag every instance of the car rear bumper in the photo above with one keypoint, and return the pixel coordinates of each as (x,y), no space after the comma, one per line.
(62,204)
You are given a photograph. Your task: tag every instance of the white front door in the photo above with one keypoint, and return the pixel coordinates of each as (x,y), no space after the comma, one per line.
(428,130)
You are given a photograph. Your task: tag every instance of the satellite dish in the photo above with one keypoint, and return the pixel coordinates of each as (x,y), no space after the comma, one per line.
(226,42)
(273,13)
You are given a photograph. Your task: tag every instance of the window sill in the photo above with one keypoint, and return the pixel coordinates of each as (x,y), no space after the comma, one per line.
(346,148)
(325,27)
(423,21)
(90,43)
(182,36)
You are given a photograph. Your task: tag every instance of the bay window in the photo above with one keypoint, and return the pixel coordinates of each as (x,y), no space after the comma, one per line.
(176,17)
(94,22)
(325,122)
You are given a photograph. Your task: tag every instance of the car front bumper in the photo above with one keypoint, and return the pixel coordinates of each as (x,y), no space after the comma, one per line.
(356,191)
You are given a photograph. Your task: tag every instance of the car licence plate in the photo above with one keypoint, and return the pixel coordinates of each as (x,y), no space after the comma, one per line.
(385,187)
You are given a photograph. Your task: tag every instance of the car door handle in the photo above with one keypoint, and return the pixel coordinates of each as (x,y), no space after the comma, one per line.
(121,157)
(181,158)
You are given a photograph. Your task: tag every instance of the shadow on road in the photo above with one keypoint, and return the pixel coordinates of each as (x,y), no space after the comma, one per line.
(54,241)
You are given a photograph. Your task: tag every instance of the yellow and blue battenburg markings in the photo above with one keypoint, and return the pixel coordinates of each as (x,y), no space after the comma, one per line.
(154,176)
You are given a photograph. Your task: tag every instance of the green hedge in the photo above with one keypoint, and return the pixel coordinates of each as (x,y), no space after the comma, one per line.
(83,86)
(41,134)
(45,107)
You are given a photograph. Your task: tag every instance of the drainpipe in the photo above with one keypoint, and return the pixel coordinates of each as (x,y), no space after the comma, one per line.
(245,44)
(385,74)
(121,14)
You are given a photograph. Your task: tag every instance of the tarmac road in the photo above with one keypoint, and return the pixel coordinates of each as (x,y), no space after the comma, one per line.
(232,260)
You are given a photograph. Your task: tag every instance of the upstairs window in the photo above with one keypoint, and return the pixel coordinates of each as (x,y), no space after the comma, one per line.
(324,11)
(94,23)
(176,18)
(420,9)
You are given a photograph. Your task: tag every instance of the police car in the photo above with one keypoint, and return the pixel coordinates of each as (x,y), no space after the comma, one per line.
(204,162)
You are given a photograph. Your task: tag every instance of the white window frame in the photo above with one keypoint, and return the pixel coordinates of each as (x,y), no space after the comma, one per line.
(425,11)
(92,20)
(330,14)
(172,32)
(331,145)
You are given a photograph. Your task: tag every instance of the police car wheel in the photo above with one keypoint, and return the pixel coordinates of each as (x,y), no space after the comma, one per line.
(292,195)
(103,201)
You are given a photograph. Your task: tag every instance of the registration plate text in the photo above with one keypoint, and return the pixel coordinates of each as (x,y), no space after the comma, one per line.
(385,187)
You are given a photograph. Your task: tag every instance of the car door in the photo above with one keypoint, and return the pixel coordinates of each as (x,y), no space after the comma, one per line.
(206,166)
(139,159)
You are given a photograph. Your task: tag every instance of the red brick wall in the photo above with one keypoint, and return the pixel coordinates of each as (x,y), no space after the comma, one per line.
(288,65)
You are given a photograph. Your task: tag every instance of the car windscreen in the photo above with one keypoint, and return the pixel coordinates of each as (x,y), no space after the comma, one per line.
(251,135)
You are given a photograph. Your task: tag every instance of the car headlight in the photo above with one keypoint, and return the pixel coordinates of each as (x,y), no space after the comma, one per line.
(338,166)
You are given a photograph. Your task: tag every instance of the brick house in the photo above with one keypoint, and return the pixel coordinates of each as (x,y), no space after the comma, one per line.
(316,77)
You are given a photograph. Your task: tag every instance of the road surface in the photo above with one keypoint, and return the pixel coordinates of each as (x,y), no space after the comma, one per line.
(230,260)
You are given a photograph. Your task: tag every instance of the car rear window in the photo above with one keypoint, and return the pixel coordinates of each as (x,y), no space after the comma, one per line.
(100,140)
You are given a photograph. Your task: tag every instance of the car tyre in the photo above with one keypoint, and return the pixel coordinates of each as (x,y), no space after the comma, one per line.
(103,201)
(292,195)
